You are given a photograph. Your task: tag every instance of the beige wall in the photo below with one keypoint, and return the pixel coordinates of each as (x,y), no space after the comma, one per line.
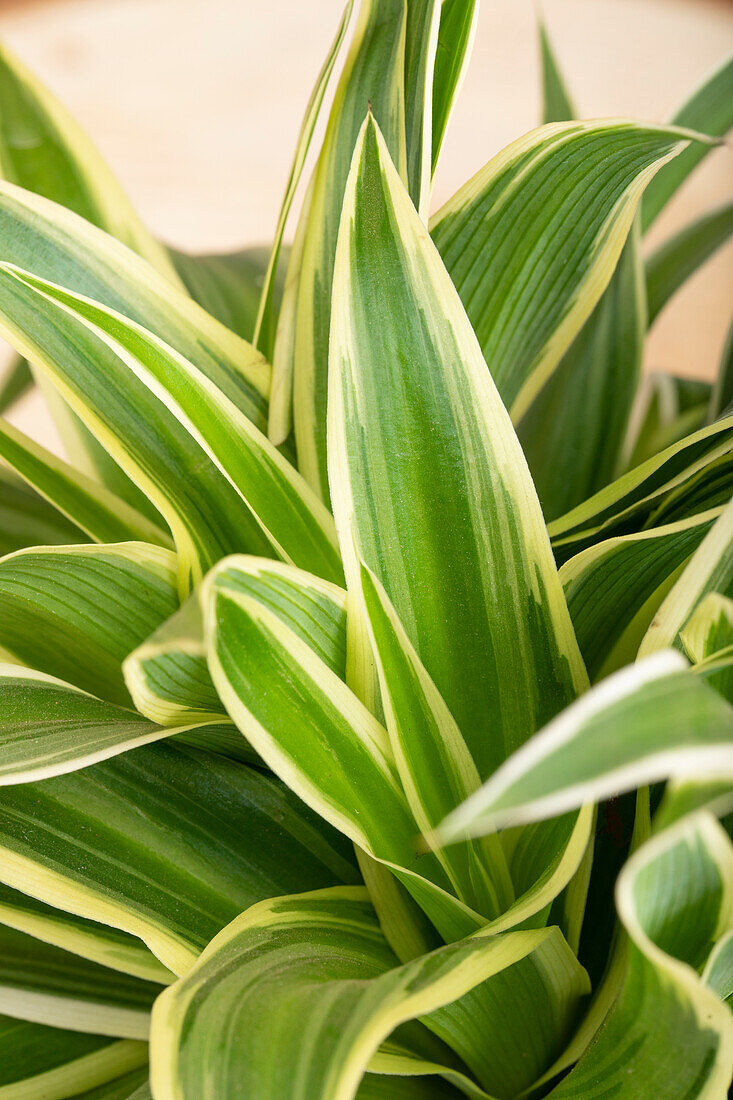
(196,103)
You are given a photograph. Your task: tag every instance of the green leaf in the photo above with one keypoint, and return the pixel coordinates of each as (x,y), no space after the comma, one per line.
(709,110)
(435,767)
(668,1033)
(709,629)
(264,327)
(274,498)
(320,957)
(130,1086)
(456,32)
(101,943)
(557,106)
(709,570)
(718,972)
(101,381)
(168,675)
(649,721)
(431,490)
(168,843)
(56,245)
(228,285)
(680,256)
(49,727)
(46,985)
(421,42)
(16,380)
(532,240)
(315,733)
(85,503)
(26,519)
(722,396)
(373,74)
(76,612)
(573,432)
(609,584)
(53,1064)
(629,502)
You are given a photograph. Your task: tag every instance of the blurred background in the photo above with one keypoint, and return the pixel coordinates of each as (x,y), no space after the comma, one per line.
(196,105)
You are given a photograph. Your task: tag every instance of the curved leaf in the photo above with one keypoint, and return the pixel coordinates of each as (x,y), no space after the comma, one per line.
(431,490)
(27,519)
(677,259)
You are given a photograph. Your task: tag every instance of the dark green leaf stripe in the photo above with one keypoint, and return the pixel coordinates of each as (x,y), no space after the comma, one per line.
(608,584)
(677,259)
(206,514)
(44,984)
(27,519)
(373,73)
(56,245)
(649,721)
(52,1064)
(557,106)
(168,843)
(85,503)
(532,240)
(431,490)
(709,110)
(421,42)
(322,958)
(76,612)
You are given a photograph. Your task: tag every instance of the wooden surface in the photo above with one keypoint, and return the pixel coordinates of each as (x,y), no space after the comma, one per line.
(197,104)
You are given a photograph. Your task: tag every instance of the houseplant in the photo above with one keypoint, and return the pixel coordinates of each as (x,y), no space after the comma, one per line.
(370,756)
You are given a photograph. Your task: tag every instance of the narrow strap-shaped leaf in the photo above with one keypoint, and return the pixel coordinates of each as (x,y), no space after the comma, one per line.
(373,74)
(709,570)
(421,42)
(710,627)
(721,398)
(16,380)
(680,256)
(609,584)
(718,972)
(435,767)
(47,985)
(85,503)
(717,671)
(205,512)
(709,110)
(628,502)
(76,612)
(668,1034)
(49,1062)
(59,246)
(293,519)
(44,150)
(338,972)
(168,676)
(129,1086)
(574,430)
(263,334)
(27,519)
(168,843)
(531,241)
(431,489)
(310,728)
(557,106)
(101,943)
(48,727)
(645,723)
(456,33)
